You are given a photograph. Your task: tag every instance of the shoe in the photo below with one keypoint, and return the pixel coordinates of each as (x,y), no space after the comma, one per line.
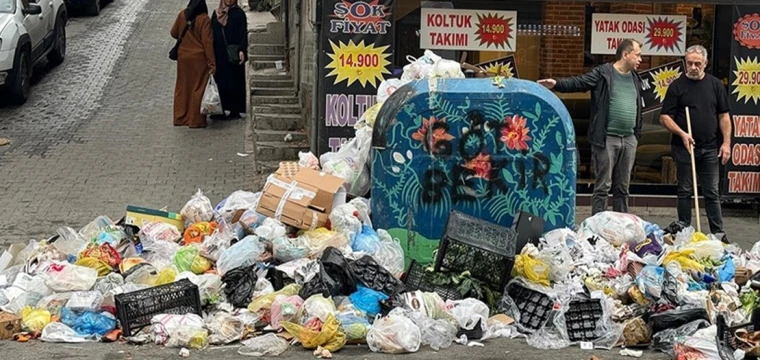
(218,117)
(233,116)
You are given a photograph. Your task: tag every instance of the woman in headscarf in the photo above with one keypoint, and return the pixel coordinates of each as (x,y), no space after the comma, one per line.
(231,49)
(195,63)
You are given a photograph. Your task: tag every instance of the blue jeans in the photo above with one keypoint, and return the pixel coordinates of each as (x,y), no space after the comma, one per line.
(708,172)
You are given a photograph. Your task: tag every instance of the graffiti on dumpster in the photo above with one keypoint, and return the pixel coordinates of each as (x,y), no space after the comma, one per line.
(486,158)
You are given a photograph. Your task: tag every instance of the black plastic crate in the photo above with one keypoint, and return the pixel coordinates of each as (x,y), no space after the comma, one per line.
(581,319)
(416,278)
(484,249)
(728,334)
(136,309)
(534,307)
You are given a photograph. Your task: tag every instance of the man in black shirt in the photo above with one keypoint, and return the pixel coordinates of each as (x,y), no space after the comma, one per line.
(707,100)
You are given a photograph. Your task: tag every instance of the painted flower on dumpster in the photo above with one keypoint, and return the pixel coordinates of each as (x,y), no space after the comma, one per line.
(429,134)
(480,166)
(514,133)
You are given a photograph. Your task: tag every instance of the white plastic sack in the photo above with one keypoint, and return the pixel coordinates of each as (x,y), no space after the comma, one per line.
(164,325)
(387,88)
(389,254)
(224,328)
(308,160)
(420,68)
(69,241)
(152,232)
(708,249)
(238,200)
(244,253)
(350,162)
(63,277)
(617,228)
(56,332)
(394,334)
(447,69)
(198,209)
(85,300)
(270,229)
(211,104)
(264,345)
(468,312)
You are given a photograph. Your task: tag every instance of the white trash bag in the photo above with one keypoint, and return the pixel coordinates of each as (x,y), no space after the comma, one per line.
(211,103)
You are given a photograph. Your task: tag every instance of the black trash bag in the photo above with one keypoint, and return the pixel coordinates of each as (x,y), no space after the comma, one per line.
(672,319)
(664,340)
(675,227)
(334,278)
(374,276)
(239,284)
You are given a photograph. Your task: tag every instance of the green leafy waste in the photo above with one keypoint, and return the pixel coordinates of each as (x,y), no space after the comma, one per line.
(466,285)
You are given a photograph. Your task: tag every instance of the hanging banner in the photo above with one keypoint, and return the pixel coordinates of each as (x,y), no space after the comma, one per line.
(483,30)
(504,67)
(655,83)
(743,168)
(357,48)
(658,34)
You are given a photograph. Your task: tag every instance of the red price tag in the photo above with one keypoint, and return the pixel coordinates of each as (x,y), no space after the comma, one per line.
(493,30)
(663,33)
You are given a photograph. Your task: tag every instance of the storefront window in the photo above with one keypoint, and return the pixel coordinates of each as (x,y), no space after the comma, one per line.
(554,40)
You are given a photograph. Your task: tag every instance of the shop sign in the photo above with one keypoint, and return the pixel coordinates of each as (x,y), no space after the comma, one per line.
(658,34)
(357,45)
(743,168)
(504,67)
(477,30)
(655,83)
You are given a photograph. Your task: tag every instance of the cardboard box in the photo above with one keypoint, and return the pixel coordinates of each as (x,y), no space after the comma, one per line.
(10,324)
(136,215)
(287,169)
(305,201)
(742,275)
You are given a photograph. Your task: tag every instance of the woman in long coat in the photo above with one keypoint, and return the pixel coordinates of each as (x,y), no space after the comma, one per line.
(231,49)
(195,63)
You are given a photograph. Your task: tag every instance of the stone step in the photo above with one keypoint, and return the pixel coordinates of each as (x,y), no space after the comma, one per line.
(259,57)
(278,109)
(268,151)
(266,83)
(273,91)
(268,100)
(267,121)
(266,49)
(280,135)
(263,64)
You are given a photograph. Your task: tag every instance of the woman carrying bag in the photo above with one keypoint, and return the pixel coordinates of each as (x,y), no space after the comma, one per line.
(231,49)
(194,53)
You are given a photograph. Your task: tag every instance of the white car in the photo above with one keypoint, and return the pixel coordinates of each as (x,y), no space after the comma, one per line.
(30,31)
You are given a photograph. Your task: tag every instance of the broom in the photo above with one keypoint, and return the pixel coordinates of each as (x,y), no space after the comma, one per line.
(693,170)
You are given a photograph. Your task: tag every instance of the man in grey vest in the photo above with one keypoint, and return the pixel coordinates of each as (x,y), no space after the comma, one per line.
(615,126)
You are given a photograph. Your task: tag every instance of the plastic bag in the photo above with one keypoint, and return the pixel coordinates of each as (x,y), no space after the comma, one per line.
(265,302)
(285,249)
(675,318)
(447,69)
(190,337)
(429,304)
(420,68)
(390,254)
(308,160)
(559,260)
(349,163)
(531,269)
(469,312)
(155,231)
(63,277)
(94,263)
(69,241)
(239,284)
(285,308)
(695,348)
(368,300)
(356,327)
(198,209)
(438,334)
(224,328)
(649,281)
(683,258)
(196,233)
(264,345)
(617,228)
(211,104)
(707,249)
(188,258)
(386,89)
(104,252)
(60,333)
(164,325)
(316,307)
(366,241)
(34,319)
(319,239)
(330,337)
(394,334)
(142,274)
(335,277)
(213,246)
(238,200)
(88,323)
(664,340)
(244,253)
(54,303)
(85,300)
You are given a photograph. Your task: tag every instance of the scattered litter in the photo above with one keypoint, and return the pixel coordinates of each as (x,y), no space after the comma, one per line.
(243,154)
(632,353)
(184,353)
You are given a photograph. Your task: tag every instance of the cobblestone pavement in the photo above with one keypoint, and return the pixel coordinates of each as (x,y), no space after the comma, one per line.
(97,132)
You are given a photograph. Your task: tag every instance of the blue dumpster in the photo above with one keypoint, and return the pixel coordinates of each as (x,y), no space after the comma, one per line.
(484,147)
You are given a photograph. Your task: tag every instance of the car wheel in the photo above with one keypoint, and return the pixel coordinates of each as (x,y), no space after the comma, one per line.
(94,8)
(58,54)
(19,89)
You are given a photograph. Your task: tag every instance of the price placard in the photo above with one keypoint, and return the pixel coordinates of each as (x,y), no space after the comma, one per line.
(449,29)
(658,34)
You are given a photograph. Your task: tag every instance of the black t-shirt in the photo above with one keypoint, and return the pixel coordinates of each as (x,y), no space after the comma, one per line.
(706,99)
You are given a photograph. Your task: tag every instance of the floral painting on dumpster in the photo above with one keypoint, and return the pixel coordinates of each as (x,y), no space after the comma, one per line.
(489,155)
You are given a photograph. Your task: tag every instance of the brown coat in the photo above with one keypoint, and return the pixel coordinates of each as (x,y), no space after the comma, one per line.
(194,63)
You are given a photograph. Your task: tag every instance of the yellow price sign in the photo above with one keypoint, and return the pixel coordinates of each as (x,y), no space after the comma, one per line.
(358,62)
